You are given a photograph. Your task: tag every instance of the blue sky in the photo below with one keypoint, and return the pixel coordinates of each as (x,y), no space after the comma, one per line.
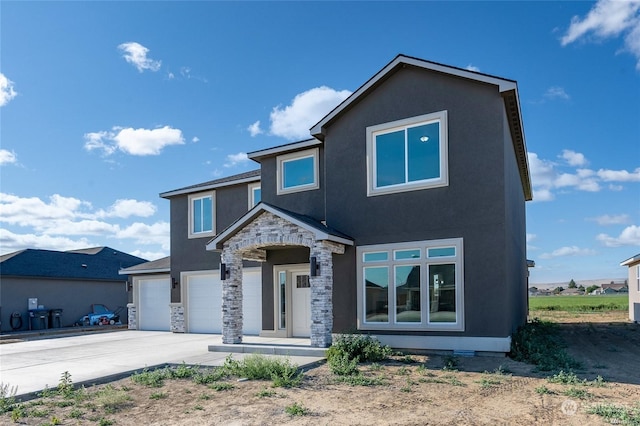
(103,105)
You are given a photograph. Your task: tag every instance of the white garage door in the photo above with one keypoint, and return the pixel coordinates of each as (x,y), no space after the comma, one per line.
(204,303)
(153,308)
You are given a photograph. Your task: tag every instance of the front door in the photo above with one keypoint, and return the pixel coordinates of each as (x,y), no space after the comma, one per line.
(301,304)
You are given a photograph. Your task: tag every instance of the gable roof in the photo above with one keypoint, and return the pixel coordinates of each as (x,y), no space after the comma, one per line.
(250,176)
(508,90)
(98,263)
(320,231)
(155,266)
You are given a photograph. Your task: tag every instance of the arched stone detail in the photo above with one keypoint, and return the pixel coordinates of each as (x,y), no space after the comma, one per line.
(268,230)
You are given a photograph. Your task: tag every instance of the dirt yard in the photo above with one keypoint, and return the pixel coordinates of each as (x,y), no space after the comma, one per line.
(416,390)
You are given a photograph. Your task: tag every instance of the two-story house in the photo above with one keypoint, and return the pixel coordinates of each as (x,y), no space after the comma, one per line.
(402,216)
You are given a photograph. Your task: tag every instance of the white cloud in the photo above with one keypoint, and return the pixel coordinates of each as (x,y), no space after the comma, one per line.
(149,255)
(606,219)
(195,139)
(630,236)
(305,110)
(136,54)
(7,157)
(471,67)
(65,223)
(133,141)
(573,158)
(7,90)
(127,208)
(530,238)
(568,251)
(619,175)
(235,159)
(254,129)
(546,175)
(609,18)
(556,92)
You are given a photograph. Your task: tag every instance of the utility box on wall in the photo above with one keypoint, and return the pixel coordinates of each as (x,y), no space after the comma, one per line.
(33,303)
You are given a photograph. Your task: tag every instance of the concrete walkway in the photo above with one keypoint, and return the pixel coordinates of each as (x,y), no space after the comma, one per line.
(98,358)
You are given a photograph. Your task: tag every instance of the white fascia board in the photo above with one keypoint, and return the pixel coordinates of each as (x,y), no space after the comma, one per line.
(631,260)
(193,190)
(283,148)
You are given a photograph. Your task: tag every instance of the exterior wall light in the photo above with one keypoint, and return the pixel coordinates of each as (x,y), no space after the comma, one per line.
(224,271)
(314,266)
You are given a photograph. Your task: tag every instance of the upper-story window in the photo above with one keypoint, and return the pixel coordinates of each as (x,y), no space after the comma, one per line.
(298,171)
(407,155)
(201,215)
(255,194)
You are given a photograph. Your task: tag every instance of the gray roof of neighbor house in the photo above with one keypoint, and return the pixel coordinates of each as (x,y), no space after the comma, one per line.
(152,267)
(97,263)
(251,176)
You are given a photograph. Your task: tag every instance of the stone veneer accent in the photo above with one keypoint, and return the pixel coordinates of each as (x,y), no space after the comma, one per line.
(177,317)
(132,320)
(268,230)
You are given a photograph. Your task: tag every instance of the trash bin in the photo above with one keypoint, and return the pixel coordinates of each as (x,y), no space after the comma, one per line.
(55,318)
(38,319)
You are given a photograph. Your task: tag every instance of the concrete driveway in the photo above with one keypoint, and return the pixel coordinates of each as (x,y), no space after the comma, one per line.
(97,358)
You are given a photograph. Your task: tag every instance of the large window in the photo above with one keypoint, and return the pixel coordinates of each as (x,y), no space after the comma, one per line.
(407,155)
(201,215)
(417,285)
(298,171)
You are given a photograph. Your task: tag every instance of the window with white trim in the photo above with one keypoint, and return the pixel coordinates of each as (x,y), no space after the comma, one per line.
(201,215)
(407,155)
(298,171)
(411,286)
(255,194)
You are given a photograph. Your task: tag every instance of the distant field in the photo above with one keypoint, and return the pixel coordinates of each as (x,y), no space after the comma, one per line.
(579,303)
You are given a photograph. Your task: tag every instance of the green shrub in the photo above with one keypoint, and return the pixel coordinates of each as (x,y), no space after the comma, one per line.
(205,377)
(260,367)
(152,378)
(7,397)
(296,409)
(361,347)
(537,343)
(342,365)
(616,414)
(183,371)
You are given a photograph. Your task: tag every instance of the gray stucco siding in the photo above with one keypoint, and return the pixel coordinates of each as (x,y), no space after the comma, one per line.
(309,203)
(473,206)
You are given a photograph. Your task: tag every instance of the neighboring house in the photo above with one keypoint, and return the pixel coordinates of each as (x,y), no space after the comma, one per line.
(403,216)
(634,286)
(67,280)
(571,292)
(614,288)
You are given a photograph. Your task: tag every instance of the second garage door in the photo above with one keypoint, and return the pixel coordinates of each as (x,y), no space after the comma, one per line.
(153,306)
(204,302)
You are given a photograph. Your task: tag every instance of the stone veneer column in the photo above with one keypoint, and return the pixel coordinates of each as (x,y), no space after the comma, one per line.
(232,297)
(322,296)
(132,323)
(177,317)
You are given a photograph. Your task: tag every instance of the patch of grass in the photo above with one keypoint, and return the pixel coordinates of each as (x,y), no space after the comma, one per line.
(537,343)
(376,366)
(221,386)
(616,414)
(361,380)
(266,393)
(158,395)
(198,407)
(408,359)
(403,371)
(37,412)
(543,390)
(183,371)
(563,378)
(55,421)
(209,376)
(600,303)
(575,392)
(487,382)
(452,380)
(65,385)
(7,397)
(18,413)
(296,409)
(104,422)
(76,413)
(260,367)
(151,378)
(111,399)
